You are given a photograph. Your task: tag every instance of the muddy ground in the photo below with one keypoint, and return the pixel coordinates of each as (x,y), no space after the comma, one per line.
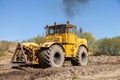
(98,68)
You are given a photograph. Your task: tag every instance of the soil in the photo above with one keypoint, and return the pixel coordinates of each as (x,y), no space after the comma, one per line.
(98,68)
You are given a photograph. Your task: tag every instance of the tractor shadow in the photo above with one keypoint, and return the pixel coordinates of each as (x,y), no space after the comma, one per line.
(24,67)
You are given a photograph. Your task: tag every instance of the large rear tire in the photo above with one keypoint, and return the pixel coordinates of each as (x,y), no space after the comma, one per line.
(81,57)
(53,57)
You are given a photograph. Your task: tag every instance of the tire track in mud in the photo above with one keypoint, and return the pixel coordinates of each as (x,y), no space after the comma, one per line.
(93,71)
(89,72)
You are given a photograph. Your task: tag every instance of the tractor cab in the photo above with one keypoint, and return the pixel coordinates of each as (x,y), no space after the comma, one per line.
(63,33)
(60,28)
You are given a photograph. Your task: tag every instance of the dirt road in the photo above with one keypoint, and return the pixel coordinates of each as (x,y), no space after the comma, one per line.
(99,68)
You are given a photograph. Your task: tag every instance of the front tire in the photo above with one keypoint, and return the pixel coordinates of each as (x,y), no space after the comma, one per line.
(53,57)
(81,57)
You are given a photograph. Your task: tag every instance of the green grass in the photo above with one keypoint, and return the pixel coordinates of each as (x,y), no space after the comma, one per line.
(90,61)
(2,54)
(68,62)
(75,77)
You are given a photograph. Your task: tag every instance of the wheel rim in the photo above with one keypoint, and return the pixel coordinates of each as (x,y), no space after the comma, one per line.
(83,57)
(57,58)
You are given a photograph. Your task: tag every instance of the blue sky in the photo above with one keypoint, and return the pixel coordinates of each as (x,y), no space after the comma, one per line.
(25,19)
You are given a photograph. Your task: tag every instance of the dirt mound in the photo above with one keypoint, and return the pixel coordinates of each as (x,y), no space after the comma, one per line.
(104,59)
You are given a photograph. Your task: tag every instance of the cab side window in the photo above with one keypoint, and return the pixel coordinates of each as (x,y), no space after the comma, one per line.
(71,30)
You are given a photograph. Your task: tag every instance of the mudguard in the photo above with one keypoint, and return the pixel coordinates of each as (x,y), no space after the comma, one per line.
(47,44)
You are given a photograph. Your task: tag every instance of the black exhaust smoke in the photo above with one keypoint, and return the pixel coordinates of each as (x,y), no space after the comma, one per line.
(73,7)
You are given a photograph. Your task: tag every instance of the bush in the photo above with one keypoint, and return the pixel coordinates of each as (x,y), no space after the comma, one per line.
(5,46)
(2,54)
(107,46)
(38,39)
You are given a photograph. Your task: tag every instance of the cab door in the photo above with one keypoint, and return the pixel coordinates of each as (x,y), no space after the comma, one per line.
(71,35)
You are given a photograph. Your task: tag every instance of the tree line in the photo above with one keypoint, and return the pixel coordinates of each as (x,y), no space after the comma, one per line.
(104,46)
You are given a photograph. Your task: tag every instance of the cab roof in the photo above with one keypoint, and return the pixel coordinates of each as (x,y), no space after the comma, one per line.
(61,25)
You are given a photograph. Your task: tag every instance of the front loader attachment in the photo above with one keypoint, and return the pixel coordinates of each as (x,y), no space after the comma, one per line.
(19,55)
(26,53)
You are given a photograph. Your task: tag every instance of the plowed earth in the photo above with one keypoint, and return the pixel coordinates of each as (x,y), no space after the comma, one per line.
(98,68)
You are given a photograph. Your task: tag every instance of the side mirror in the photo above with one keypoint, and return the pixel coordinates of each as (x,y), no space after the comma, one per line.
(81,30)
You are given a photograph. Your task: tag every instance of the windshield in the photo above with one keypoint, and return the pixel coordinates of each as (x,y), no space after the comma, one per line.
(59,29)
(56,29)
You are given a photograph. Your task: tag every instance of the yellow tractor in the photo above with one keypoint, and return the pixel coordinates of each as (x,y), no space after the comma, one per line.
(61,43)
